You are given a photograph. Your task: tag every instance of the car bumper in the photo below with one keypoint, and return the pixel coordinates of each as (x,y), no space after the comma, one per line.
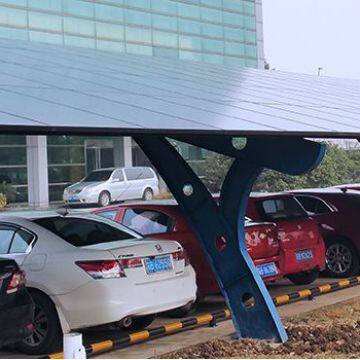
(16,323)
(79,199)
(106,301)
(290,265)
(277,262)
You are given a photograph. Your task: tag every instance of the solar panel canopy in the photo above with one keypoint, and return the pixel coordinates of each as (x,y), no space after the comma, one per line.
(54,89)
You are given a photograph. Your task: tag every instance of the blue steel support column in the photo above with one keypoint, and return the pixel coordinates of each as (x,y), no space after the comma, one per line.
(220,229)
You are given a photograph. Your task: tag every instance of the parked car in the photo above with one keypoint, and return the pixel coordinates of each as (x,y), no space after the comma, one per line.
(85,271)
(302,247)
(16,306)
(337,212)
(109,185)
(164,220)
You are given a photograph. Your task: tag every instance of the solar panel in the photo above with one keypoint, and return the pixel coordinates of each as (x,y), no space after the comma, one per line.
(49,88)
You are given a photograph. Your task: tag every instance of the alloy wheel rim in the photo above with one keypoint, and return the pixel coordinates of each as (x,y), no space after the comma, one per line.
(105,200)
(41,327)
(338,258)
(148,195)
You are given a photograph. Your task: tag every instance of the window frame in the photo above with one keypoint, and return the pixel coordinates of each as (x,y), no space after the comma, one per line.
(101,212)
(16,228)
(265,216)
(170,228)
(113,175)
(329,206)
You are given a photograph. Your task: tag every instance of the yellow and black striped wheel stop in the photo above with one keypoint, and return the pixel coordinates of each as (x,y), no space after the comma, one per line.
(211,319)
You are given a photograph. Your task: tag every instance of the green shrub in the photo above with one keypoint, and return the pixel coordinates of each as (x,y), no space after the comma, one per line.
(3,201)
(8,191)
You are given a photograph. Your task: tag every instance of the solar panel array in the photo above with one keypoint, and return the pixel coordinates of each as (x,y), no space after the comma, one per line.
(47,88)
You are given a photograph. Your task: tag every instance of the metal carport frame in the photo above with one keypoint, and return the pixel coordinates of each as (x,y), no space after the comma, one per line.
(46,89)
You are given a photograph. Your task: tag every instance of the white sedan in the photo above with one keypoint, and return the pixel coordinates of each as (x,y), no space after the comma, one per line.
(85,271)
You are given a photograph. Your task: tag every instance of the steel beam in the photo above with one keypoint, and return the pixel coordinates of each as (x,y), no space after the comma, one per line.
(220,229)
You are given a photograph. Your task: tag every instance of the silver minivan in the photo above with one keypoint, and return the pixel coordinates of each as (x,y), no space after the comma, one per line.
(104,186)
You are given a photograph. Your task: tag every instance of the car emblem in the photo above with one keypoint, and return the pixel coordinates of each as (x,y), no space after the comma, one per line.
(158,248)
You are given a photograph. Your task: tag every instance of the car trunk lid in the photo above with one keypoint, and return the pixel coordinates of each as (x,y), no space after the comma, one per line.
(298,234)
(261,240)
(146,260)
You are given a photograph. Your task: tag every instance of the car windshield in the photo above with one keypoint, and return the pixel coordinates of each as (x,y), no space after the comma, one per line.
(99,175)
(83,232)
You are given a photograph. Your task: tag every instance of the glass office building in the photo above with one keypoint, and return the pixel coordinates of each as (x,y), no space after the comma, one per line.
(217,31)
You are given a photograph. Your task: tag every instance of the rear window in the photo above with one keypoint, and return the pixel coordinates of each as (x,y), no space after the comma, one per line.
(82,232)
(282,208)
(147,222)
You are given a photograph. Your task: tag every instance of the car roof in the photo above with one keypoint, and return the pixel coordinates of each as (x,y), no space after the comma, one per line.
(328,191)
(122,168)
(39,214)
(263,195)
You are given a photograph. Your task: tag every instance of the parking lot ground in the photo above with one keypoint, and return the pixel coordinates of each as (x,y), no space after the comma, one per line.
(331,331)
(178,341)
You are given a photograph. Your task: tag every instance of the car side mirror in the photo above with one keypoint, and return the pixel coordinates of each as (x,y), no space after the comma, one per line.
(116,180)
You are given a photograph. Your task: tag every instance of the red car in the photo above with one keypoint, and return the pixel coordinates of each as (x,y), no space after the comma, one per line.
(302,248)
(165,221)
(337,212)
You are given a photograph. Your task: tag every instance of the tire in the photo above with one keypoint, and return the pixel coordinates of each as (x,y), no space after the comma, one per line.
(304,278)
(184,311)
(141,322)
(342,258)
(148,194)
(104,199)
(47,327)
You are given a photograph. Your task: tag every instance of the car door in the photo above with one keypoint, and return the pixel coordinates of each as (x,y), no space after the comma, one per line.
(169,224)
(322,212)
(134,183)
(117,186)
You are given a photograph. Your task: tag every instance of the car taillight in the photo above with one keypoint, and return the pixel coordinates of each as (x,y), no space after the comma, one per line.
(181,255)
(17,281)
(130,263)
(102,269)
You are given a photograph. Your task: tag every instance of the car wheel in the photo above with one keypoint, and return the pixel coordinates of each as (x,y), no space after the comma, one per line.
(104,199)
(141,322)
(184,311)
(341,258)
(304,278)
(47,335)
(148,195)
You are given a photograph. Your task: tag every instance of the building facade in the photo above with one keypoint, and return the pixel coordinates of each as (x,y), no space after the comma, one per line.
(217,31)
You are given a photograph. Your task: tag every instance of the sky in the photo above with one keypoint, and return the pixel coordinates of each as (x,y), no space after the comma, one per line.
(303,35)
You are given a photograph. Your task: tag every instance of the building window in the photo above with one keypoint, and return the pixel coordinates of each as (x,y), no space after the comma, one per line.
(13,170)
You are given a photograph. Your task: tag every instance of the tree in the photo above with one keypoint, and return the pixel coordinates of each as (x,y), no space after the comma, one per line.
(338,167)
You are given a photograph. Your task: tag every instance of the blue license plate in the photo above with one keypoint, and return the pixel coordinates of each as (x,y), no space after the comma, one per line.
(73,198)
(266,270)
(158,264)
(305,255)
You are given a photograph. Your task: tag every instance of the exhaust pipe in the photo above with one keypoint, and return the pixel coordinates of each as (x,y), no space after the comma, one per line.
(126,322)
